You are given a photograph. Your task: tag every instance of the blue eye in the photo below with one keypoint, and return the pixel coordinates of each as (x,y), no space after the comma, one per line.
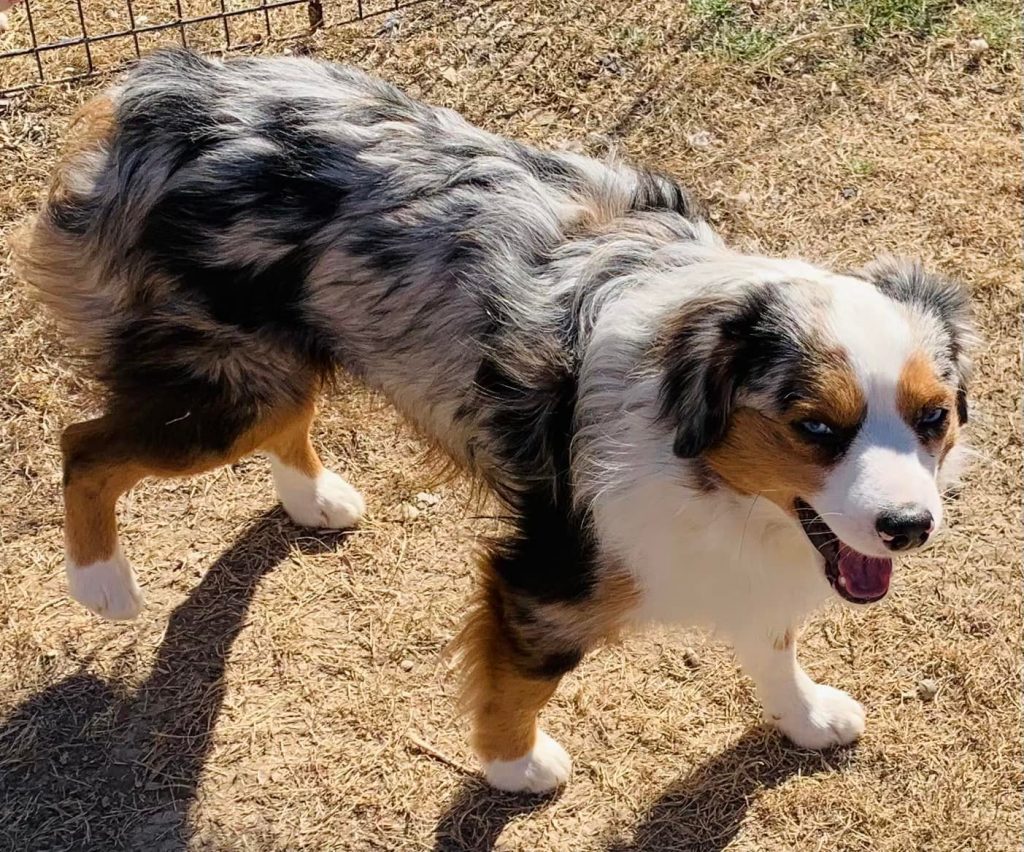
(932,417)
(816,428)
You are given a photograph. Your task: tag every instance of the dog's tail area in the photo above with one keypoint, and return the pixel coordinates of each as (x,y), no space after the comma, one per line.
(57,252)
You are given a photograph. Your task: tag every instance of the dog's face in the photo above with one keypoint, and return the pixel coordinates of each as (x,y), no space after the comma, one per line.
(837,398)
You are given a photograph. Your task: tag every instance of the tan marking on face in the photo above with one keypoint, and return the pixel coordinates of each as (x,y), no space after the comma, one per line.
(919,387)
(761,455)
(835,395)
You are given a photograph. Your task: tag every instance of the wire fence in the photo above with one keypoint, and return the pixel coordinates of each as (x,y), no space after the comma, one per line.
(56,41)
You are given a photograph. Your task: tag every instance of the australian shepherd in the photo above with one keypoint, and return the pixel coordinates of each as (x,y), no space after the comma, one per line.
(677,431)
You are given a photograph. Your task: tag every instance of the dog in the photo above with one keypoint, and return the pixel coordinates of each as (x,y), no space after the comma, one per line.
(678,432)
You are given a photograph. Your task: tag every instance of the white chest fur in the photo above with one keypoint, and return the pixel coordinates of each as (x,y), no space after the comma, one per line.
(719,561)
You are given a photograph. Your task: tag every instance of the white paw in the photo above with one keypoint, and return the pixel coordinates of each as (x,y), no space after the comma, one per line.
(325,500)
(108,588)
(826,717)
(546,766)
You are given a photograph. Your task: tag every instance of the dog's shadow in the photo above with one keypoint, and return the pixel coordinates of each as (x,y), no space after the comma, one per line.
(84,765)
(704,811)
(701,812)
(477,815)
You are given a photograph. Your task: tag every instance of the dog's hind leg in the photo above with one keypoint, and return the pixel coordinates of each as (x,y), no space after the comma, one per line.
(175,434)
(311,495)
(514,651)
(98,468)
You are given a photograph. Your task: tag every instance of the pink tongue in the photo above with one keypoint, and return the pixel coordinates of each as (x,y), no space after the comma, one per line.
(866,577)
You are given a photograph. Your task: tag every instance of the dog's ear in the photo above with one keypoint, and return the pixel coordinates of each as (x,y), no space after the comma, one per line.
(705,353)
(944,300)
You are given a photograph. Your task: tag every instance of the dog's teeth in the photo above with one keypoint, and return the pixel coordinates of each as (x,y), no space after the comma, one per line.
(842,581)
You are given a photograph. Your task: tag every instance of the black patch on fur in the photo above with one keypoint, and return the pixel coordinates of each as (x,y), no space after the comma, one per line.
(548,166)
(656,191)
(553,664)
(961,404)
(715,349)
(831,448)
(73,215)
(178,414)
(282,186)
(550,555)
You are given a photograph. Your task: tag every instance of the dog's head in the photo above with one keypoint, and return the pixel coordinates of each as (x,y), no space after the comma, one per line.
(838,398)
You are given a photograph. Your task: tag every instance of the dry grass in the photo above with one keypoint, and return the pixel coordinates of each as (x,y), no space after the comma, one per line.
(284,689)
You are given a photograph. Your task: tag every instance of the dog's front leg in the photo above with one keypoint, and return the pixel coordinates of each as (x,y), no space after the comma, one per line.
(508,677)
(811,714)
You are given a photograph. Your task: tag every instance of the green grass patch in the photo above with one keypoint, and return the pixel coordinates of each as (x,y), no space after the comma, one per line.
(996,21)
(860,167)
(918,18)
(725,28)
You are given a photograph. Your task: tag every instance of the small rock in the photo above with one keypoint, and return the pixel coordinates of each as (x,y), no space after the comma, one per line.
(977,45)
(700,139)
(451,75)
(4,22)
(408,512)
(849,192)
(425,498)
(691,658)
(610,62)
(406,665)
(743,198)
(927,689)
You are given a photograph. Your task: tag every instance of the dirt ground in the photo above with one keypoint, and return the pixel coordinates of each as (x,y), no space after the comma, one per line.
(286,690)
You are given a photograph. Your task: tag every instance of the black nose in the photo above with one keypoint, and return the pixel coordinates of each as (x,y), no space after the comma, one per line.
(905,527)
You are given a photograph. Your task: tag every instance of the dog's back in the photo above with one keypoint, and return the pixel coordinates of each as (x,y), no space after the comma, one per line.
(230,232)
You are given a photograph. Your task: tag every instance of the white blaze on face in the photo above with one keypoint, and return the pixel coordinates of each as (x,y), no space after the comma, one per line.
(886,467)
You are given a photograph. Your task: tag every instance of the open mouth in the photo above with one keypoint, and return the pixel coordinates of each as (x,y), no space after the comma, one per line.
(857,578)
